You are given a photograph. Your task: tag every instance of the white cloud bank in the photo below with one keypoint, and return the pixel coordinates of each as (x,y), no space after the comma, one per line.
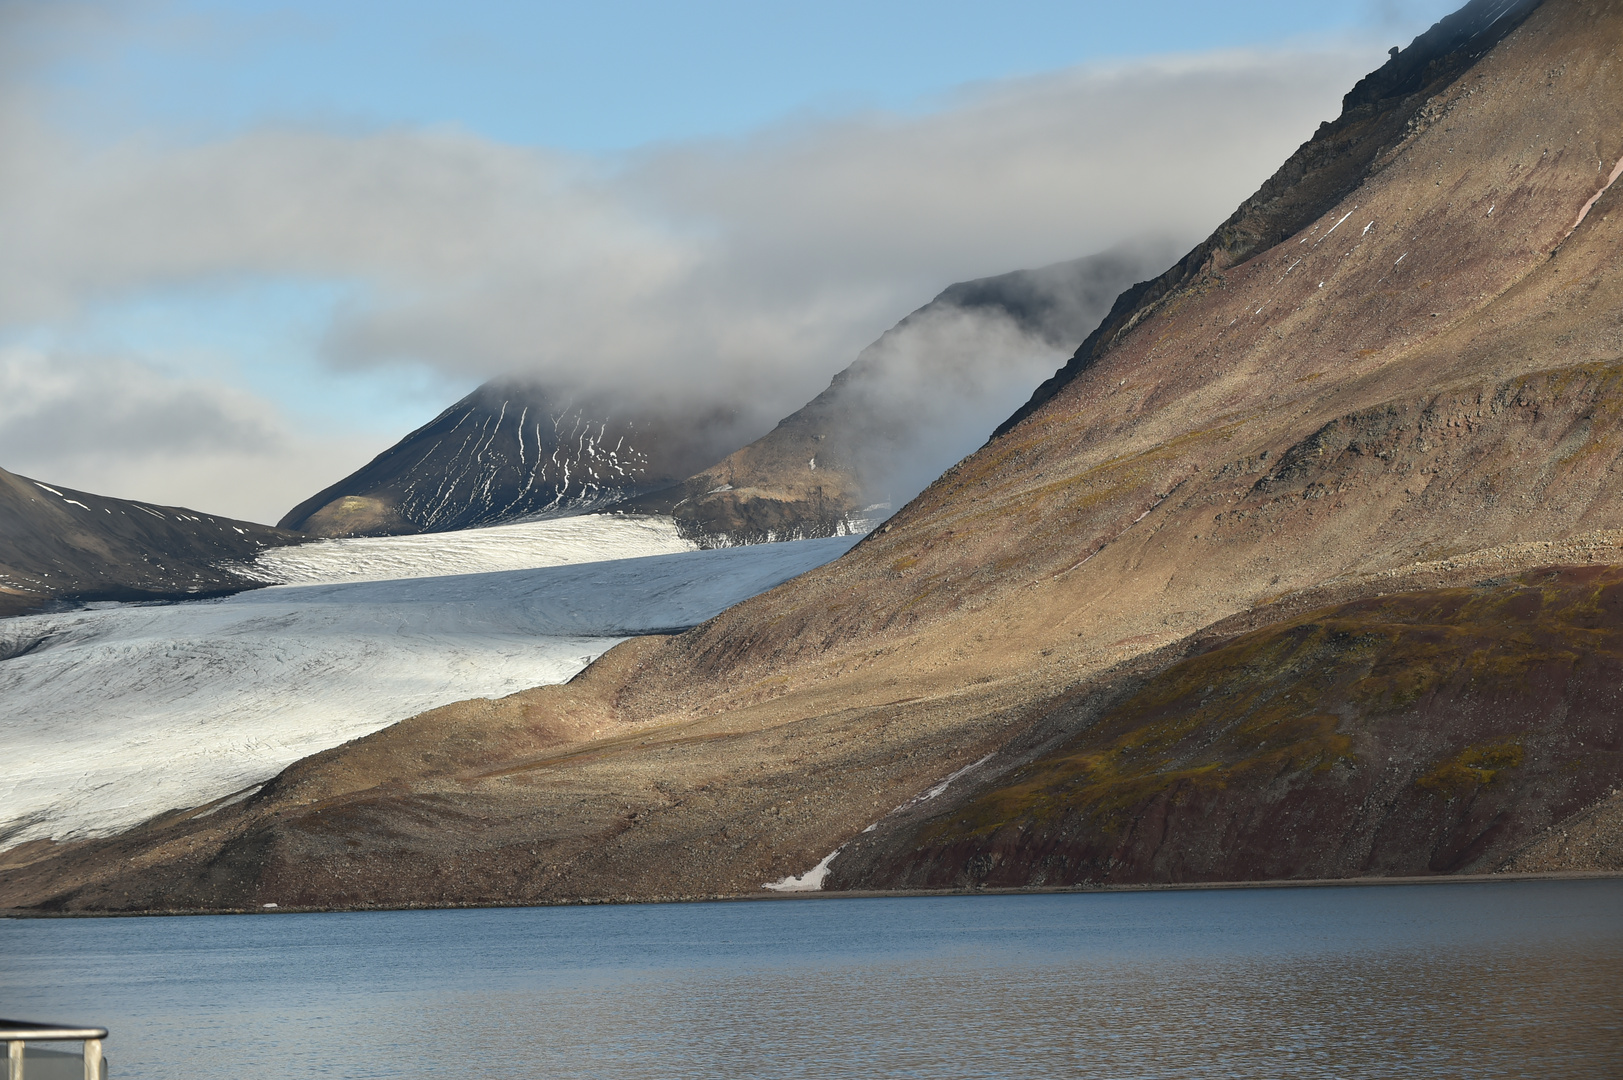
(113,425)
(751,268)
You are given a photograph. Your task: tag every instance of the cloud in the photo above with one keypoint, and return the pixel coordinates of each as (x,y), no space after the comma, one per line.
(114,425)
(763,258)
(732,256)
(742,271)
(932,391)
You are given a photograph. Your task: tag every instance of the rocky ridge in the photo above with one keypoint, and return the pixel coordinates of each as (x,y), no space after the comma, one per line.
(829,468)
(61,546)
(514,449)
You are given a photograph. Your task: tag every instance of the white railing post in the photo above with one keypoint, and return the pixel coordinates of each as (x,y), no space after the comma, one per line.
(17,1033)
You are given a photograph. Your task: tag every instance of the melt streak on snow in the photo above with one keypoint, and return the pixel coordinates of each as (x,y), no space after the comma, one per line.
(123,712)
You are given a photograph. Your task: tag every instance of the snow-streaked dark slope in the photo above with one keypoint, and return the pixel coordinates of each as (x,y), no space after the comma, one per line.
(918,399)
(512,450)
(60,545)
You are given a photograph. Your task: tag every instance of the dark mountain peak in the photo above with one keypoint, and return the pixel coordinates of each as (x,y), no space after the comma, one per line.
(1059,303)
(1454,43)
(514,449)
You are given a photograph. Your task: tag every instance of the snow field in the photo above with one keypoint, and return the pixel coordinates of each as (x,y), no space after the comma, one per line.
(126,711)
(554,542)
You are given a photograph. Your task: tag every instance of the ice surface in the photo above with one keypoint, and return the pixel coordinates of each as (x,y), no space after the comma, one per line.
(130,710)
(554,542)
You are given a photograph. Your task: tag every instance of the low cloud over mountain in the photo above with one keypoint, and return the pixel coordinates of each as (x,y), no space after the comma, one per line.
(746,269)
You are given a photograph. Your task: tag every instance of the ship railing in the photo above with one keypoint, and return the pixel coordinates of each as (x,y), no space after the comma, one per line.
(51,1065)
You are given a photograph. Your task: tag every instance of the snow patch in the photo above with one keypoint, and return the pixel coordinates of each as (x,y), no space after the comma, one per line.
(810,881)
(1617,170)
(939,788)
(1334,227)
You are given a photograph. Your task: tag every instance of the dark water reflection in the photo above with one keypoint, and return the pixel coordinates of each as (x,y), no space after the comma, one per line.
(1480,980)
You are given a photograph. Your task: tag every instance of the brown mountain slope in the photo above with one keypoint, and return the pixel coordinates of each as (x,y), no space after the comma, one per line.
(1378,116)
(1421,388)
(1425,732)
(58,545)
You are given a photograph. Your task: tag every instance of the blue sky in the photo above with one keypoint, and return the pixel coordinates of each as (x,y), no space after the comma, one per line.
(254,243)
(618,74)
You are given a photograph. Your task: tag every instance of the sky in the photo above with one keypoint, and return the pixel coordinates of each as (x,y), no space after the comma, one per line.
(245,246)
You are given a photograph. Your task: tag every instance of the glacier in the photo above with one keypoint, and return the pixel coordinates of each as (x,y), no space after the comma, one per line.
(117,712)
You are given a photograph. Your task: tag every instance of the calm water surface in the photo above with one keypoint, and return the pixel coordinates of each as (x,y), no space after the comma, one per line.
(1507,979)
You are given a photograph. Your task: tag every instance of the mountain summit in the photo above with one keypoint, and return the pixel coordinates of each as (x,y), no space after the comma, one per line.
(512,450)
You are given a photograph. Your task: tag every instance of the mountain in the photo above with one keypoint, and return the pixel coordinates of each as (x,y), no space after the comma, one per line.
(1309,567)
(58,545)
(511,450)
(912,403)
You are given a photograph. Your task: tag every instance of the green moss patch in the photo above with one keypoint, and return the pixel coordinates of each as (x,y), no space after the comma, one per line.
(1475,766)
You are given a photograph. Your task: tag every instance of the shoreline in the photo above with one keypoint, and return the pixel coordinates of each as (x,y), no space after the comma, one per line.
(854,894)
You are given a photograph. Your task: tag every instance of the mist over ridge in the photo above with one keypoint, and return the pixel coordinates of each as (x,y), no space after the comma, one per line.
(923,395)
(739,272)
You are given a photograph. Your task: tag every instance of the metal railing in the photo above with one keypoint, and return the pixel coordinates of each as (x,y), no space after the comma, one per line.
(17,1033)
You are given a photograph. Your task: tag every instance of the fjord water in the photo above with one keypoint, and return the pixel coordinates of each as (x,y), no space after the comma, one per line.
(1493,979)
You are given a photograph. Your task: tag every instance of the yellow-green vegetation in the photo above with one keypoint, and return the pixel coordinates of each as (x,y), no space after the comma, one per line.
(356,515)
(1475,766)
(1233,714)
(1282,704)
